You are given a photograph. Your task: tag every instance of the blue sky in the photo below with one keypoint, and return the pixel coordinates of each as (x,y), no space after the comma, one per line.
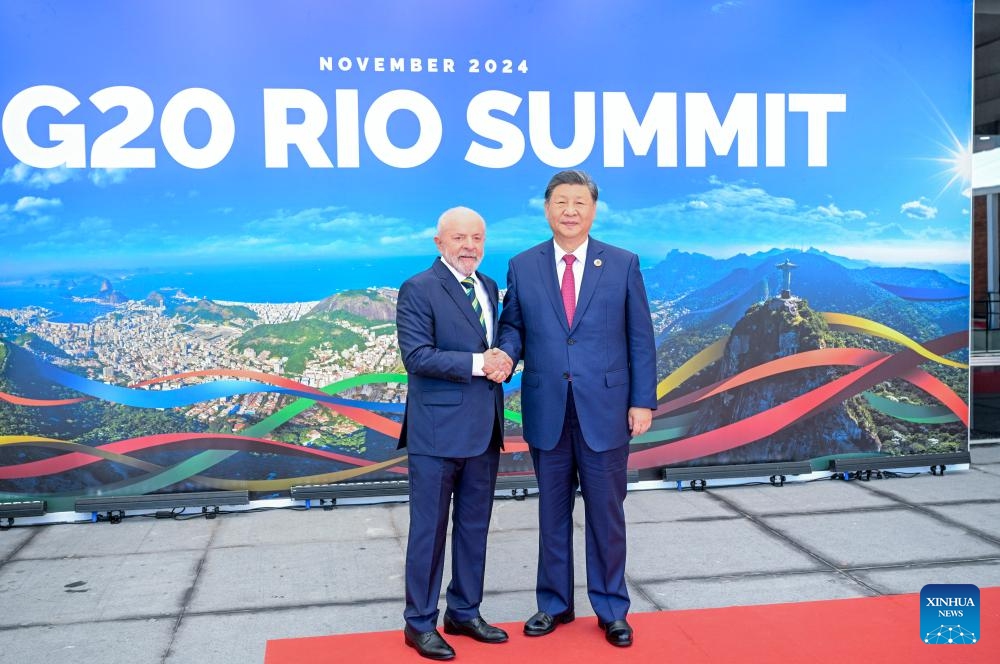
(886,194)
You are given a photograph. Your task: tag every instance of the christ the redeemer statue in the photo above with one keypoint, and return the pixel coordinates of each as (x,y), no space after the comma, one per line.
(786,278)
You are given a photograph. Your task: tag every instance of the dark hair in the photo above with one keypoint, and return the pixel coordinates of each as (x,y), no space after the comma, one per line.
(571,177)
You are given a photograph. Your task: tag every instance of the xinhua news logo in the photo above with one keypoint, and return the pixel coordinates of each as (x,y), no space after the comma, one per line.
(949,613)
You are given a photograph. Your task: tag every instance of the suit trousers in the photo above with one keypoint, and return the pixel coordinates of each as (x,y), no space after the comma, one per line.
(435,484)
(602,479)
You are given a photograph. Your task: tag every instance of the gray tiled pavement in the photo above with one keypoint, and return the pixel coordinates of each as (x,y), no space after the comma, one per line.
(215,590)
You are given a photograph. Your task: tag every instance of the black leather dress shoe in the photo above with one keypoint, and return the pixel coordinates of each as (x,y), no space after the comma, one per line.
(429,644)
(617,632)
(477,628)
(542,623)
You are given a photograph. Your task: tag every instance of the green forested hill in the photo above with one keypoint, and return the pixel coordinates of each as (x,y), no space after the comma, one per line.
(297,339)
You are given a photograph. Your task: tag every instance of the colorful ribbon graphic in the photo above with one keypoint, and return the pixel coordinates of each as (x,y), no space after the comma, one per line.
(666,443)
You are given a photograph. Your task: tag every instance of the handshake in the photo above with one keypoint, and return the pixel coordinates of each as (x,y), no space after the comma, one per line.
(497,365)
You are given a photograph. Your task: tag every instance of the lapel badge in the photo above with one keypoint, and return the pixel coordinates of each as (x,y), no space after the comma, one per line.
(598,262)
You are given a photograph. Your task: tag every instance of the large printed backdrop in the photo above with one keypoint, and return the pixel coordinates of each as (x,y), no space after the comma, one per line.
(206,209)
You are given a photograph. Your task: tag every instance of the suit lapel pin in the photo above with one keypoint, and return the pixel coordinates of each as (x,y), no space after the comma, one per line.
(597,262)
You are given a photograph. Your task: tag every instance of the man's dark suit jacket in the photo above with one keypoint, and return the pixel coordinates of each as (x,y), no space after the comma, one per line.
(449,413)
(609,352)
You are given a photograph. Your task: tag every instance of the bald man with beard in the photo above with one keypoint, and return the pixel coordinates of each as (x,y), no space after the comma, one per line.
(446,321)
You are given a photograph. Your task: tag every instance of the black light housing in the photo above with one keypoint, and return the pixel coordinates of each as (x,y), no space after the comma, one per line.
(697,476)
(114,507)
(13,510)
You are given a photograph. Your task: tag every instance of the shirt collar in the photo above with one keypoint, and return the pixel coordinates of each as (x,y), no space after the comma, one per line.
(580,253)
(458,275)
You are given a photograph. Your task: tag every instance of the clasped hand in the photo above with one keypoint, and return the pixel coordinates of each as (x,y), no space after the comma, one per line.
(497,365)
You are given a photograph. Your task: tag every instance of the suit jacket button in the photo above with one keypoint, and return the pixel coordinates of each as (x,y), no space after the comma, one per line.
(571,341)
(566,375)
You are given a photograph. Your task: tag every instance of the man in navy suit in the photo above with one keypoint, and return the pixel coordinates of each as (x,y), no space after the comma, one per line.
(576,312)
(453,432)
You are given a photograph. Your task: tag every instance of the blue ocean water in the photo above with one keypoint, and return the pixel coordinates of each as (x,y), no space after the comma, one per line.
(268,282)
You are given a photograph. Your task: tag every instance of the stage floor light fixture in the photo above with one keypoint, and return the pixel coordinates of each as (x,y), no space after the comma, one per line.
(13,510)
(697,476)
(332,492)
(114,507)
(937,463)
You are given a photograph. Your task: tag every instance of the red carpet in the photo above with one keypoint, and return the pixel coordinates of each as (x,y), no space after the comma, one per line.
(875,629)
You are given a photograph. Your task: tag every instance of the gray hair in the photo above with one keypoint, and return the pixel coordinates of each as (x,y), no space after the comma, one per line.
(459,211)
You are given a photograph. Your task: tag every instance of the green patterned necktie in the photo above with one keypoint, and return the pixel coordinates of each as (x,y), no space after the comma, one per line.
(470,291)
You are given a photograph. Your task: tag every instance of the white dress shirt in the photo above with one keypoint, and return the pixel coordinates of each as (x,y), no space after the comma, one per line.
(484,303)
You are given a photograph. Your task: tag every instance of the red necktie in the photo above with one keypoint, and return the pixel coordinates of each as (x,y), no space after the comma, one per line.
(569,288)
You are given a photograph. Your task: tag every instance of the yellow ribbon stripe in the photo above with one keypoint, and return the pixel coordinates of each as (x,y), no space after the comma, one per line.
(691,367)
(865,326)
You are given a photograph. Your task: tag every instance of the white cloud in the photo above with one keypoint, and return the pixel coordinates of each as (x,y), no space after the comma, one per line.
(352,222)
(731,196)
(227,245)
(698,205)
(419,236)
(34,205)
(283,220)
(332,230)
(918,209)
(102,177)
(17,173)
(834,212)
(23,174)
(728,5)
